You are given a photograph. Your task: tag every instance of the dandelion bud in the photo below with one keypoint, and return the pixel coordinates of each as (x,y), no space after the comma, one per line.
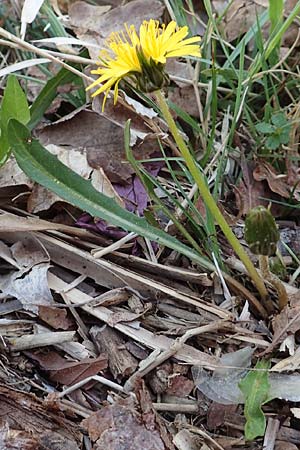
(261,232)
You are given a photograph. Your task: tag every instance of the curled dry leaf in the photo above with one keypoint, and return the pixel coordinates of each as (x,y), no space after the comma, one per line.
(29,284)
(66,372)
(186,440)
(254,188)
(277,182)
(30,288)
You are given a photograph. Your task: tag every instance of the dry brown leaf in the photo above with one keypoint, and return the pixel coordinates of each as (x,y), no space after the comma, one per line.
(178,69)
(57,318)
(278,183)
(286,318)
(119,114)
(100,139)
(30,288)
(158,378)
(184,98)
(179,385)
(122,316)
(76,159)
(249,191)
(246,198)
(71,141)
(86,16)
(124,426)
(29,284)
(28,252)
(242,15)
(186,440)
(65,372)
(92,25)
(216,415)
(12,175)
(284,445)
(132,13)
(6,254)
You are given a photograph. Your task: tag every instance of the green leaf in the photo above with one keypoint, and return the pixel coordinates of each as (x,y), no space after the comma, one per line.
(48,94)
(46,169)
(273,142)
(284,136)
(14,106)
(14,103)
(279,120)
(264,128)
(255,387)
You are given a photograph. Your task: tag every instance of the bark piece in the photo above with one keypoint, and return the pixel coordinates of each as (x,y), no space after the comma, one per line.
(45,424)
(121,363)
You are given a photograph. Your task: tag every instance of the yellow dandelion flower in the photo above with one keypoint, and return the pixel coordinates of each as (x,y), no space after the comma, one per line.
(142,56)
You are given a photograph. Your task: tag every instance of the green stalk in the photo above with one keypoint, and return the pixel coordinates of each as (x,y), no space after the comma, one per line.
(207,197)
(276,19)
(275,13)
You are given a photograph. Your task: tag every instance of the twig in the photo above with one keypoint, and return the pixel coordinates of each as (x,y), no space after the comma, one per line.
(156,359)
(96,253)
(43,53)
(176,407)
(98,378)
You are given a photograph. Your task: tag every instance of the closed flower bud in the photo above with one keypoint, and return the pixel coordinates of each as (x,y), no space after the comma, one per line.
(261,232)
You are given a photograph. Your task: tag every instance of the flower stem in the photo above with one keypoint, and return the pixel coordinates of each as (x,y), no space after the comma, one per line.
(207,197)
(276,282)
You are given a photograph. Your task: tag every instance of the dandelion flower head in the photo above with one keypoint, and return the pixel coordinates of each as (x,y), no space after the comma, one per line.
(142,56)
